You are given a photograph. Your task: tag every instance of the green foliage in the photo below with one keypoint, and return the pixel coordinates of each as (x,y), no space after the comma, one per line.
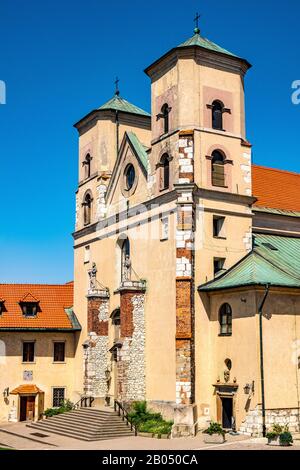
(145,421)
(67,405)
(214,428)
(285,437)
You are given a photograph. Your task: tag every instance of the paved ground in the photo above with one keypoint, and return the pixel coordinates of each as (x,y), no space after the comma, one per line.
(18,436)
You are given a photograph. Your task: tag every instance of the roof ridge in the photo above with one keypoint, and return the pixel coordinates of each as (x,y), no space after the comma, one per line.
(68,284)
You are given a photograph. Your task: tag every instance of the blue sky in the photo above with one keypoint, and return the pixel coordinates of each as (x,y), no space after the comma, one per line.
(59,60)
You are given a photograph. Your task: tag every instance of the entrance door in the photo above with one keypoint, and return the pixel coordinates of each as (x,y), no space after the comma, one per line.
(27,406)
(227,413)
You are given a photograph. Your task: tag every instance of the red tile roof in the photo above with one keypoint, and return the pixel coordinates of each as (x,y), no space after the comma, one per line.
(53,300)
(28,389)
(276,189)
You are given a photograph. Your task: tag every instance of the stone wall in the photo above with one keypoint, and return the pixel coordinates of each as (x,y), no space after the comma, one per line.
(185,270)
(96,346)
(131,356)
(252,425)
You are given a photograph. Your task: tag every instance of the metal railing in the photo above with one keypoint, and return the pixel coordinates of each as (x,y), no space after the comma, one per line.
(124,415)
(84,402)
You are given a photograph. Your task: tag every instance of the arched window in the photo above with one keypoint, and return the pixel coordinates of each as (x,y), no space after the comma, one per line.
(125,255)
(165,115)
(217,169)
(217,115)
(164,172)
(225,320)
(116,322)
(87,209)
(87,166)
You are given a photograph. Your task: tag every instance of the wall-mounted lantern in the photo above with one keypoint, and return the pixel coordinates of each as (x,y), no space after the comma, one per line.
(247,389)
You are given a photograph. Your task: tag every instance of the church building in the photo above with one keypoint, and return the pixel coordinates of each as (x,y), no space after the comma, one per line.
(187,265)
(186,257)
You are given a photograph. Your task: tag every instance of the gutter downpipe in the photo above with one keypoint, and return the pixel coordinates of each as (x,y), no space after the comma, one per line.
(262,378)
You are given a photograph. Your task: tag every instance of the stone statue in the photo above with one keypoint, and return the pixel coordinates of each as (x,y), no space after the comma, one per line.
(93,275)
(226,375)
(127,269)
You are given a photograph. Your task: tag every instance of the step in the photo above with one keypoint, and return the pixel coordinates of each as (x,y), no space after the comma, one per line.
(87,434)
(84,437)
(88,420)
(87,429)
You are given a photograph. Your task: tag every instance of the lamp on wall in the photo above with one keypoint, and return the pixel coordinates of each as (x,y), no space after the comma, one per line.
(247,388)
(6,392)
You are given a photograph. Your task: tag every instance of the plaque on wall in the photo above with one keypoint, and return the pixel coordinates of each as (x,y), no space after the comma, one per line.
(27,375)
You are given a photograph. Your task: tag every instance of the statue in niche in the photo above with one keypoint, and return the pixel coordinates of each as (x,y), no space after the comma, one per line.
(127,269)
(93,275)
(226,375)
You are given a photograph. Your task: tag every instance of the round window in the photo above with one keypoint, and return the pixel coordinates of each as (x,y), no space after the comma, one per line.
(129,176)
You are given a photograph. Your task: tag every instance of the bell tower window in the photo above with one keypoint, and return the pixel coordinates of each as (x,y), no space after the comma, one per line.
(164,172)
(87,209)
(217,169)
(217,115)
(87,166)
(165,110)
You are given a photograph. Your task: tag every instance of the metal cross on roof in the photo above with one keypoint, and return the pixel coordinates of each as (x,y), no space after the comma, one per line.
(117,92)
(196,21)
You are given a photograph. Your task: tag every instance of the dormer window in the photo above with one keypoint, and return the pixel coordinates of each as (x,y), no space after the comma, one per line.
(29,306)
(87,166)
(2,308)
(29,309)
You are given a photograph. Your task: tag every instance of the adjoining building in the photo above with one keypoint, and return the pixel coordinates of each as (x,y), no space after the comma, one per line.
(39,333)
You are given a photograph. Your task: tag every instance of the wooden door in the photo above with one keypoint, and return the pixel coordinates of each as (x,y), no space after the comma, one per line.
(30,408)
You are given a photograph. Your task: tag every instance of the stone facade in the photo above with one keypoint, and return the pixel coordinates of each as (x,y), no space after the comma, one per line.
(252,425)
(96,347)
(131,356)
(185,270)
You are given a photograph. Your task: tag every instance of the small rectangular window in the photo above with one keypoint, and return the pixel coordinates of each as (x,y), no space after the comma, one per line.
(28,351)
(59,352)
(218,265)
(218,226)
(87,254)
(58,397)
(164,228)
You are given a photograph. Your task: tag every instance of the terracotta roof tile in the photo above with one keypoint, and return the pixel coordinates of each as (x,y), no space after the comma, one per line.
(53,300)
(277,189)
(28,388)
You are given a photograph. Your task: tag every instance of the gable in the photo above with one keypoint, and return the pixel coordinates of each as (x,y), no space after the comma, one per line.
(132,152)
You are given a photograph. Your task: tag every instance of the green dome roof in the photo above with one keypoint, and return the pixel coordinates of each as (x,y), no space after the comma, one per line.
(119,104)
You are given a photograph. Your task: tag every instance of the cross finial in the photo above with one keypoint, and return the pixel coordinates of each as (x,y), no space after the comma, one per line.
(196,21)
(117,91)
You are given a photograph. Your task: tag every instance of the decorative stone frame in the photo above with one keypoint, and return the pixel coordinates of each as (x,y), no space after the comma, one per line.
(224,110)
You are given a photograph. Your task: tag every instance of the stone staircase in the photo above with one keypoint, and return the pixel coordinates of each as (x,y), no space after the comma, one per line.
(86,424)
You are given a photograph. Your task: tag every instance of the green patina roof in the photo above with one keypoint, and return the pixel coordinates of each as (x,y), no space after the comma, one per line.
(139,148)
(119,104)
(274,260)
(199,41)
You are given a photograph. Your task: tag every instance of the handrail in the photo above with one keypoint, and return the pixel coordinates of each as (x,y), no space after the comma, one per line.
(121,411)
(84,402)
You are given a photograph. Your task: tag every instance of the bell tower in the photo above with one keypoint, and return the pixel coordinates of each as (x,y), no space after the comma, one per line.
(198,122)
